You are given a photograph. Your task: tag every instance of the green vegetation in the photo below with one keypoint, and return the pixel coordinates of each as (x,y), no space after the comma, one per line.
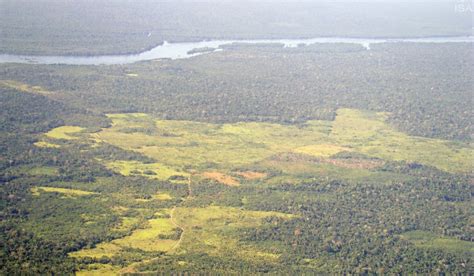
(254,160)
(357,147)
(68,192)
(44,171)
(43,144)
(148,238)
(425,239)
(214,230)
(368,134)
(101,27)
(24,87)
(185,144)
(258,83)
(63,132)
(153,170)
(322,150)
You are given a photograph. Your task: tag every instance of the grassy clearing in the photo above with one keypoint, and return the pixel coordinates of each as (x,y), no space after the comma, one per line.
(127,223)
(295,168)
(148,239)
(33,171)
(123,119)
(251,175)
(99,270)
(43,144)
(153,170)
(181,145)
(162,196)
(151,238)
(24,87)
(322,150)
(354,163)
(425,239)
(283,179)
(229,153)
(366,132)
(126,115)
(101,250)
(184,144)
(212,230)
(64,132)
(67,192)
(303,165)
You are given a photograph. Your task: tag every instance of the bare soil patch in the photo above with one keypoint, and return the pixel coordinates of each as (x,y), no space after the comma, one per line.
(221,178)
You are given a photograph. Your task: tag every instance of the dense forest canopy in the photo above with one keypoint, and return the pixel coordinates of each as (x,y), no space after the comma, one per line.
(105,27)
(426,96)
(324,158)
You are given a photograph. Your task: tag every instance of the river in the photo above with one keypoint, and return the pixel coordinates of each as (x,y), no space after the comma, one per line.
(180,50)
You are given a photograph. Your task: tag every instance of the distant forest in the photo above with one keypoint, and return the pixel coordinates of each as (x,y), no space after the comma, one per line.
(257,159)
(426,96)
(109,27)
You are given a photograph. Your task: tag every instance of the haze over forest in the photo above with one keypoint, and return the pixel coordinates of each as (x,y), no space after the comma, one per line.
(236,137)
(93,27)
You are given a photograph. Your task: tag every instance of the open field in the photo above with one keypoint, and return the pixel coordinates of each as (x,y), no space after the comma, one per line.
(184,144)
(141,193)
(64,132)
(43,144)
(63,191)
(153,170)
(51,171)
(98,270)
(251,175)
(148,239)
(151,224)
(217,162)
(24,87)
(153,236)
(425,239)
(216,227)
(367,133)
(212,230)
(320,159)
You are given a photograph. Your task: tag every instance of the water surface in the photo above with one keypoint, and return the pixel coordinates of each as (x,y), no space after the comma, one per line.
(180,50)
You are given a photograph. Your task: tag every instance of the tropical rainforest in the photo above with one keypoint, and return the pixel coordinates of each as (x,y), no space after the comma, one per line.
(324,158)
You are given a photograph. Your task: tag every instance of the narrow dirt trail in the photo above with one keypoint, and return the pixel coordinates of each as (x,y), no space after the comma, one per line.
(132,268)
(178,226)
(173,221)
